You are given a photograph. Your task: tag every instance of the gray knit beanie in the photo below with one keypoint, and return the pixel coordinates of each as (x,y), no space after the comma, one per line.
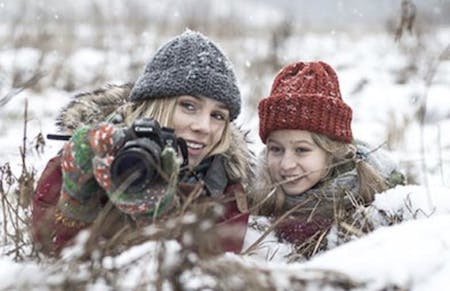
(189,64)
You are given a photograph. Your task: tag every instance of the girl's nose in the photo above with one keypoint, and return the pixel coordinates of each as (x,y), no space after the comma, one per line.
(287,162)
(201,123)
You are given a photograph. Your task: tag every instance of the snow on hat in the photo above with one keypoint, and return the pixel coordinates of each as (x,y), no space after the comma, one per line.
(189,64)
(306,96)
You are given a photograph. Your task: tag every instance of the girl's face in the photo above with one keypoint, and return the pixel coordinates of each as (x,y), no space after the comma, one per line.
(200,122)
(295,160)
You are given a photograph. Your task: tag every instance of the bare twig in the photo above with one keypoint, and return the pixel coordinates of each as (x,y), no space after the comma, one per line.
(407,18)
(30,82)
(253,246)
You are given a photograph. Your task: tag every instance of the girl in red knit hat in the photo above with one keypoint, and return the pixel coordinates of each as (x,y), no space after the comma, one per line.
(313,172)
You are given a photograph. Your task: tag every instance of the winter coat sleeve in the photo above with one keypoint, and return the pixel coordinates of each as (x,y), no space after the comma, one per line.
(44,203)
(67,196)
(49,228)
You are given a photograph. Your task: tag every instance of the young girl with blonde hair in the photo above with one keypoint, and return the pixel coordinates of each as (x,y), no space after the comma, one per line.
(312,170)
(188,92)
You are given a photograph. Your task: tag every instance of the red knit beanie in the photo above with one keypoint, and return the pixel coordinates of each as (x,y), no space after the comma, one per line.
(306,96)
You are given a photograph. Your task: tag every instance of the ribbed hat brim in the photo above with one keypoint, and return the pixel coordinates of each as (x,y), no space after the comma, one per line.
(312,112)
(183,81)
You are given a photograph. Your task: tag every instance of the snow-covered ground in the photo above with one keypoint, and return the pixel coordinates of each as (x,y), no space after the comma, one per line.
(390,85)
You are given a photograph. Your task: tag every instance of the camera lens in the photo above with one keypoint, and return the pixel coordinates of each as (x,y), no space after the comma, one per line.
(136,166)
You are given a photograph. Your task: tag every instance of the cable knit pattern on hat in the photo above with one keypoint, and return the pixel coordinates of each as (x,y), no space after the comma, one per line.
(189,64)
(306,96)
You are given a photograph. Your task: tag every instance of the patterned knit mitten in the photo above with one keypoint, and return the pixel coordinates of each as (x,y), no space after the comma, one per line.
(156,199)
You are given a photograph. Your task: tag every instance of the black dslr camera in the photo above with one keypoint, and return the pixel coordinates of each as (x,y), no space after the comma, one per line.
(137,163)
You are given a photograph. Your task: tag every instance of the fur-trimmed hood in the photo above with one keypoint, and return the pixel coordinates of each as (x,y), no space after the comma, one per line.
(95,106)
(92,107)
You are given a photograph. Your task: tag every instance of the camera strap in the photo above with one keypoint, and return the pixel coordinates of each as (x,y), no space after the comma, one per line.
(184,152)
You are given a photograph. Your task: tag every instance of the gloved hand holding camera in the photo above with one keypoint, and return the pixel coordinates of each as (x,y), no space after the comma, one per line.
(137,167)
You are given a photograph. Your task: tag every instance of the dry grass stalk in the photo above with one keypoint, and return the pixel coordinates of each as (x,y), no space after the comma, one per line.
(256,244)
(407,18)
(16,208)
(27,84)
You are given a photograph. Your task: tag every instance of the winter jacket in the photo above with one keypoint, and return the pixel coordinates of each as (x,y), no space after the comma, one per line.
(52,228)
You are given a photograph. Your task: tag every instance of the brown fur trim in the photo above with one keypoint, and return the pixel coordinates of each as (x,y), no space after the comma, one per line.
(240,159)
(92,107)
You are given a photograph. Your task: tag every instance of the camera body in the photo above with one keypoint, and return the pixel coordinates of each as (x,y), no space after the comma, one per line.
(137,163)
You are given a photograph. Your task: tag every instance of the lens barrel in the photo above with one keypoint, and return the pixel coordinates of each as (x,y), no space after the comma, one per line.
(136,165)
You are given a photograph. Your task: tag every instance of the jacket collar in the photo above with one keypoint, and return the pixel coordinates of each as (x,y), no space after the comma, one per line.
(210,171)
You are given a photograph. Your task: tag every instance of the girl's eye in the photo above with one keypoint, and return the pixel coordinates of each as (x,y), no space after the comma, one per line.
(219,116)
(187,105)
(274,149)
(302,150)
